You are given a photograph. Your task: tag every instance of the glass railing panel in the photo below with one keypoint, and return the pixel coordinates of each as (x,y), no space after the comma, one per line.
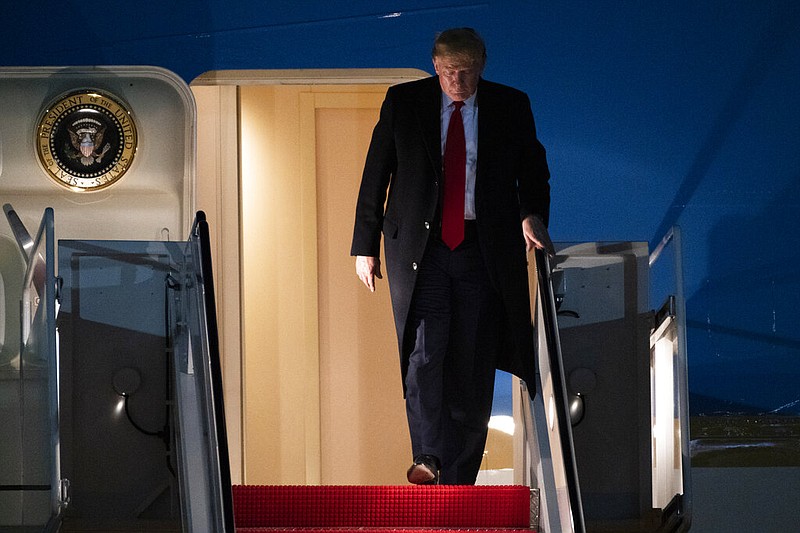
(202,443)
(620,381)
(12,272)
(549,454)
(125,305)
(38,372)
(117,412)
(665,402)
(669,388)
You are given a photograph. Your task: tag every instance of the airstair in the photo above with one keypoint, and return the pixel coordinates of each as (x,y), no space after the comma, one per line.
(181,479)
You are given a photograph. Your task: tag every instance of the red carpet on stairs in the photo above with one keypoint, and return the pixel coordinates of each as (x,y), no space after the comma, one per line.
(383,509)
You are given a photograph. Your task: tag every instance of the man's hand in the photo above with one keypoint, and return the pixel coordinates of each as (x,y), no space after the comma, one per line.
(368,268)
(536,235)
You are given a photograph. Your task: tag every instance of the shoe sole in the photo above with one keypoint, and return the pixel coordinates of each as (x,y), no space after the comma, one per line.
(420,474)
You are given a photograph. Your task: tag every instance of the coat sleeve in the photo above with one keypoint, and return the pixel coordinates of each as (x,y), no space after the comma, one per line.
(533,174)
(379,168)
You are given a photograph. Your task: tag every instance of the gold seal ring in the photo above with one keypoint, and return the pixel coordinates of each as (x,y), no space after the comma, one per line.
(86,140)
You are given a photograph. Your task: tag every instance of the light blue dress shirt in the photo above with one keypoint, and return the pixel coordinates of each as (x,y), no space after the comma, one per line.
(469,114)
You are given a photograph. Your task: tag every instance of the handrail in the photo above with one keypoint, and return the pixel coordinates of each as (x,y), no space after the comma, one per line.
(545,293)
(200,232)
(26,246)
(199,235)
(21,234)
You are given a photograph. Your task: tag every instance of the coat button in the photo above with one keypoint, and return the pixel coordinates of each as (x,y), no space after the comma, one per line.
(427,225)
(414,266)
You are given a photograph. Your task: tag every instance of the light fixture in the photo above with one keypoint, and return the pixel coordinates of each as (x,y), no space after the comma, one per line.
(126,381)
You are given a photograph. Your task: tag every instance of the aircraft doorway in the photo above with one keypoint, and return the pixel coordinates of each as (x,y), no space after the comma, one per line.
(313,393)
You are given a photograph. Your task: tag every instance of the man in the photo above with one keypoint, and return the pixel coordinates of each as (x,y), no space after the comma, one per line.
(458,210)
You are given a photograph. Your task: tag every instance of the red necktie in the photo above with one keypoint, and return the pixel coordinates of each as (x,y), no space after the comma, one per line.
(455,177)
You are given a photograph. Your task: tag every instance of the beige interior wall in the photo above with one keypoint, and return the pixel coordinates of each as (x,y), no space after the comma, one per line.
(281,443)
(217,194)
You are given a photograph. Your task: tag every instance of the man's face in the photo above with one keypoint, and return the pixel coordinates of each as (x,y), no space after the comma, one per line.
(457,76)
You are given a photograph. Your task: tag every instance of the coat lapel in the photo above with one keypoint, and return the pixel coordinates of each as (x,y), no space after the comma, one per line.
(485,125)
(429,117)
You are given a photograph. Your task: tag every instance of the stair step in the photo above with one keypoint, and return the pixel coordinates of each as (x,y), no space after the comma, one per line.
(376,530)
(381,508)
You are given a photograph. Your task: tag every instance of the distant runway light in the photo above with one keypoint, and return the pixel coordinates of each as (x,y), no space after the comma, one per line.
(502,423)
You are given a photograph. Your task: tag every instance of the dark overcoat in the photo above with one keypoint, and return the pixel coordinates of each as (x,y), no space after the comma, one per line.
(401,187)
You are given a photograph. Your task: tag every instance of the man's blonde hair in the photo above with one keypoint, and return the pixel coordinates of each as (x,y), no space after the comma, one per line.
(462,43)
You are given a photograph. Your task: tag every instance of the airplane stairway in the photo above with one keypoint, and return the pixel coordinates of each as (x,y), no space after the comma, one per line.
(196,481)
(382,509)
(547,501)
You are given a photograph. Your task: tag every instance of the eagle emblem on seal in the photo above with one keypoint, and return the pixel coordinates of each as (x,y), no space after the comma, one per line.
(86,137)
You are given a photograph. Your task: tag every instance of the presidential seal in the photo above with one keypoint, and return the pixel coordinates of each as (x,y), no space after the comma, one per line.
(86,140)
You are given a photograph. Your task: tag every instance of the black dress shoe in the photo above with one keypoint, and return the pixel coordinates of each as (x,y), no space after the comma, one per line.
(424,471)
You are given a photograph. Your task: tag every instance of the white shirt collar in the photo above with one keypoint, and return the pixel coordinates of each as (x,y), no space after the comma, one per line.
(469,102)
